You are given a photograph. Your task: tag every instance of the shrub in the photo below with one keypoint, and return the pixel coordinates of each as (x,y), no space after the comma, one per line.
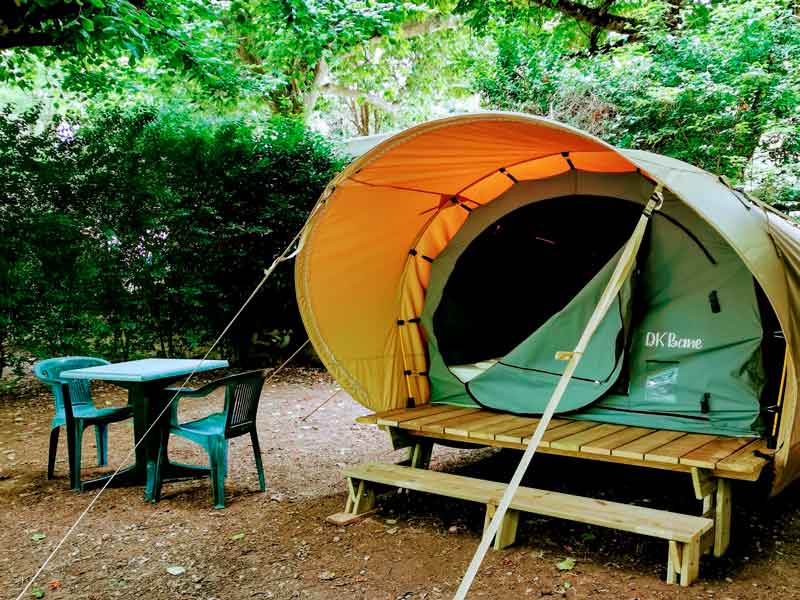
(142,231)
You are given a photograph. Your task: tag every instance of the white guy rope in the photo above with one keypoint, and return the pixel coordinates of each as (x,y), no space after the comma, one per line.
(285,255)
(621,272)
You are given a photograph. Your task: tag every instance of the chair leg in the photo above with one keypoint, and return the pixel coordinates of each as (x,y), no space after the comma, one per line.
(259,465)
(77,442)
(225,446)
(216,458)
(51,455)
(101,441)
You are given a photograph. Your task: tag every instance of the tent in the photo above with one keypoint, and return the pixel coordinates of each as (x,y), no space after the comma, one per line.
(451,262)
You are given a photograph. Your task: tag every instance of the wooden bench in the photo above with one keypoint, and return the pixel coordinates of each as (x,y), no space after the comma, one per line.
(688,535)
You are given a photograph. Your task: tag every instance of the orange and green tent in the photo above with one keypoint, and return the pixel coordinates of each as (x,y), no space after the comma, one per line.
(451,261)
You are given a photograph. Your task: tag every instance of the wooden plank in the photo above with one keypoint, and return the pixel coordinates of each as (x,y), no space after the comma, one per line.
(638,448)
(708,455)
(619,460)
(512,422)
(744,460)
(704,483)
(414,413)
(556,433)
(722,518)
(608,443)
(345,518)
(674,552)
(615,515)
(672,452)
(452,419)
(373,418)
(690,565)
(577,440)
(419,423)
(476,423)
(515,436)
(636,519)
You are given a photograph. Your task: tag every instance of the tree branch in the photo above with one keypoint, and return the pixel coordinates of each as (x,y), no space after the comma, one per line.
(597,17)
(345,92)
(26,40)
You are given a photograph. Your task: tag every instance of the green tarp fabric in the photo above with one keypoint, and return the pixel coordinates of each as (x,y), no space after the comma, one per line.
(680,349)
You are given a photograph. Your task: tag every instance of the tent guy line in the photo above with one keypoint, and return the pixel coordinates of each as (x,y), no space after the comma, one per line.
(621,271)
(287,254)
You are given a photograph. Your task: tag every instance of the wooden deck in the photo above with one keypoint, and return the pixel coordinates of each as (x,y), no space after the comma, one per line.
(727,457)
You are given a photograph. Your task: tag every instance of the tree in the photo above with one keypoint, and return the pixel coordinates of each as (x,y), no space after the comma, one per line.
(716,85)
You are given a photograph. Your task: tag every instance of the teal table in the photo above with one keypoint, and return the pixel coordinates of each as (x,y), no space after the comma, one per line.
(145,381)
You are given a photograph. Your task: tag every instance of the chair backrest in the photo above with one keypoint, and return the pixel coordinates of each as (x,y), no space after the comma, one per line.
(242,393)
(49,372)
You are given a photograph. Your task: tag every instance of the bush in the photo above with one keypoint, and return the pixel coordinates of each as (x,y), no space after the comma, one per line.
(142,232)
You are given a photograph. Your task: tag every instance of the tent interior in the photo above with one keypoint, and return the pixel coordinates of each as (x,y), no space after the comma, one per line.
(689,344)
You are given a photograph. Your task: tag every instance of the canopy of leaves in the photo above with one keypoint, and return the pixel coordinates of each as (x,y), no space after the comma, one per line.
(718,86)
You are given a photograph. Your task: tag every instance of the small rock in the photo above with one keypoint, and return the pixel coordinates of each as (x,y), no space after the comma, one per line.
(176,570)
(327,575)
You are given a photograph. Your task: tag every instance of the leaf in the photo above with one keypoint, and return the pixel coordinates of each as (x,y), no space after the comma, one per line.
(566,565)
(237,536)
(37,592)
(38,536)
(176,570)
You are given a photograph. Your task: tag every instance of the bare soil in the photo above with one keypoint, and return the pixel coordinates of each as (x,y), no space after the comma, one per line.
(278,545)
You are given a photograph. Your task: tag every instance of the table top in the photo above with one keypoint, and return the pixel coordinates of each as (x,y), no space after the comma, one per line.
(148,369)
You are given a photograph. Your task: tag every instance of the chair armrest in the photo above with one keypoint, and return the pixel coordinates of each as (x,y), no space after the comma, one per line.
(176,394)
(179,390)
(48,381)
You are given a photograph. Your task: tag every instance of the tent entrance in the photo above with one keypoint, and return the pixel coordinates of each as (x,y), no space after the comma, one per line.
(681,348)
(523,269)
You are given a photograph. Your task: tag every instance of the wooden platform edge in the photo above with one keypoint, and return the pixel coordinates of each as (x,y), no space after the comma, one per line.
(741,463)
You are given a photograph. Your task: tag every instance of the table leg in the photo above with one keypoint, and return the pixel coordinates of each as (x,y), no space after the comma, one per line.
(136,473)
(159,467)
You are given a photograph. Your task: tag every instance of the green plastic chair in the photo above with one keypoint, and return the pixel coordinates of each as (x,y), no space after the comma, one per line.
(212,432)
(76,407)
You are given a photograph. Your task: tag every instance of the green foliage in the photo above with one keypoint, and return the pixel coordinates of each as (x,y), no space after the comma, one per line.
(93,42)
(149,228)
(719,90)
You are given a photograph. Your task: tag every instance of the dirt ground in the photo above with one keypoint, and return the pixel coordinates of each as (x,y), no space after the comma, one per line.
(278,545)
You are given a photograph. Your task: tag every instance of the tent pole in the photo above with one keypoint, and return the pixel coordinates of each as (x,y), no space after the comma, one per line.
(621,272)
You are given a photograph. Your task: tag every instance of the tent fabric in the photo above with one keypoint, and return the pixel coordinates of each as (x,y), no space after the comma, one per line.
(689,368)
(356,278)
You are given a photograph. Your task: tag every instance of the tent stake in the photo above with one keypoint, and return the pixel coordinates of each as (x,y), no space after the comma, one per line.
(621,272)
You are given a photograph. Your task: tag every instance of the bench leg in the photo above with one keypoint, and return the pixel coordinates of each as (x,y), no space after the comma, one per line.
(722,518)
(507,534)
(360,497)
(690,563)
(420,454)
(683,562)
(716,496)
(674,558)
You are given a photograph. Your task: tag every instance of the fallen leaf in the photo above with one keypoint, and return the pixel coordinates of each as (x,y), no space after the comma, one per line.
(54,585)
(391,521)
(37,593)
(237,536)
(38,537)
(176,570)
(566,565)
